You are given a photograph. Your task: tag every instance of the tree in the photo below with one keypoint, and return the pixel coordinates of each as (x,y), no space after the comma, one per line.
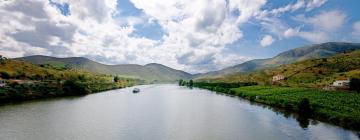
(304,108)
(116,79)
(191,83)
(355,84)
(2,60)
(4,75)
(72,87)
(180,82)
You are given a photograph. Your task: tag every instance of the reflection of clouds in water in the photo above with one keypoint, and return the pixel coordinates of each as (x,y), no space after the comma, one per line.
(328,132)
(157,112)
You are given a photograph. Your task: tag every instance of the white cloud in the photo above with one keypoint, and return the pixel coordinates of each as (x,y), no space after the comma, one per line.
(314,4)
(290,7)
(326,21)
(312,36)
(89,31)
(290,32)
(356,30)
(322,26)
(196,33)
(266,41)
(270,20)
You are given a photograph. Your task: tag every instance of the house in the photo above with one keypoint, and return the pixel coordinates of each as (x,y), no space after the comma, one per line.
(2,82)
(278,77)
(341,83)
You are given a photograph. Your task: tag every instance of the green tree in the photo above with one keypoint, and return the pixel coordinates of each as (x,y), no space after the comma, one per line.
(116,79)
(4,75)
(355,84)
(2,60)
(72,87)
(180,82)
(304,108)
(191,83)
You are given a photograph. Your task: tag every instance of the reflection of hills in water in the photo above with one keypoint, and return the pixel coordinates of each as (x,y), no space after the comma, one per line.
(162,112)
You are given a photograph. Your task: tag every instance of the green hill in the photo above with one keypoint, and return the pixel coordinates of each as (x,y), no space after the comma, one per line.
(308,73)
(150,72)
(295,55)
(25,81)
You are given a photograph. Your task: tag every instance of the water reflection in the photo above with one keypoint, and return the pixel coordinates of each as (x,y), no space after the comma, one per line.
(159,112)
(303,120)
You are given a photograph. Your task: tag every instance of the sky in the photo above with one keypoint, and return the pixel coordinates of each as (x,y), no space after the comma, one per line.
(190,35)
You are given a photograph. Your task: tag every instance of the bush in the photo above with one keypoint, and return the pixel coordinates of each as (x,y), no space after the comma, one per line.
(304,108)
(5,75)
(72,87)
(191,83)
(355,84)
(20,75)
(180,82)
(116,79)
(231,92)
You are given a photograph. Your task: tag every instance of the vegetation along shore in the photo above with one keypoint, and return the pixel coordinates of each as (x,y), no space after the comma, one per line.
(25,81)
(326,89)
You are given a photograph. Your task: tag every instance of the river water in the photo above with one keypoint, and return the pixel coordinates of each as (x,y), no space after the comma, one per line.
(158,112)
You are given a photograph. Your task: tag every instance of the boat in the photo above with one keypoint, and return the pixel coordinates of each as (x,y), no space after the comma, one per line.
(136,90)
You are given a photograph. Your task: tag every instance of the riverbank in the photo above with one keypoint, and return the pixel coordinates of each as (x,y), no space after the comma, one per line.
(23,92)
(22,81)
(339,108)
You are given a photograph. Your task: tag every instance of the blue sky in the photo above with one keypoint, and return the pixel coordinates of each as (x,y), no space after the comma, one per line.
(195,36)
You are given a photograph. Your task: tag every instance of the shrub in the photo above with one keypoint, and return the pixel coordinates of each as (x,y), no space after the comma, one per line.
(5,75)
(304,108)
(180,82)
(231,92)
(191,83)
(20,75)
(116,79)
(72,87)
(355,84)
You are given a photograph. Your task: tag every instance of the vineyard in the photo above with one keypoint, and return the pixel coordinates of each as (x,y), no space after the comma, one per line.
(336,107)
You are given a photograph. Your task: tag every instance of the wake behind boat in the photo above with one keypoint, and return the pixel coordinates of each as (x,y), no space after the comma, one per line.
(136,90)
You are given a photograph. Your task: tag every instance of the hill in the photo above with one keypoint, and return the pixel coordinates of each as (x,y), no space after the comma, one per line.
(150,72)
(25,81)
(314,73)
(295,55)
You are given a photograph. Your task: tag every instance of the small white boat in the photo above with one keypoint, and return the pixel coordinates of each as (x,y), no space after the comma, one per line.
(136,90)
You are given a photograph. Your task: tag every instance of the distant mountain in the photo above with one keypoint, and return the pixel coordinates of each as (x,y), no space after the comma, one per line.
(151,72)
(288,57)
(314,73)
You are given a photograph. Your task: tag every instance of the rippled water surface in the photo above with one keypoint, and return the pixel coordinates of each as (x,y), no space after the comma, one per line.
(158,112)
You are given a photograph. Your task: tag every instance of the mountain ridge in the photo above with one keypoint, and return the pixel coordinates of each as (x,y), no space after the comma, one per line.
(294,55)
(152,72)
(155,72)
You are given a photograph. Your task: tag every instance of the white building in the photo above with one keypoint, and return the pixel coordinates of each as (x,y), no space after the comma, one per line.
(278,77)
(341,83)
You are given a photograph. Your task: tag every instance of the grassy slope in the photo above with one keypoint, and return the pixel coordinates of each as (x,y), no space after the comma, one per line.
(291,56)
(309,73)
(341,108)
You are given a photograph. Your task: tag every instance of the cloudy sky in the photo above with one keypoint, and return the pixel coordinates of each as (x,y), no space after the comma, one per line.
(191,35)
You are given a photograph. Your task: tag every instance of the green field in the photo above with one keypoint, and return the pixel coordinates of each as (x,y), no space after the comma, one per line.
(342,108)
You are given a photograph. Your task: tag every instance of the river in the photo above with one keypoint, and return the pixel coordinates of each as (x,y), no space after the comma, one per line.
(158,112)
